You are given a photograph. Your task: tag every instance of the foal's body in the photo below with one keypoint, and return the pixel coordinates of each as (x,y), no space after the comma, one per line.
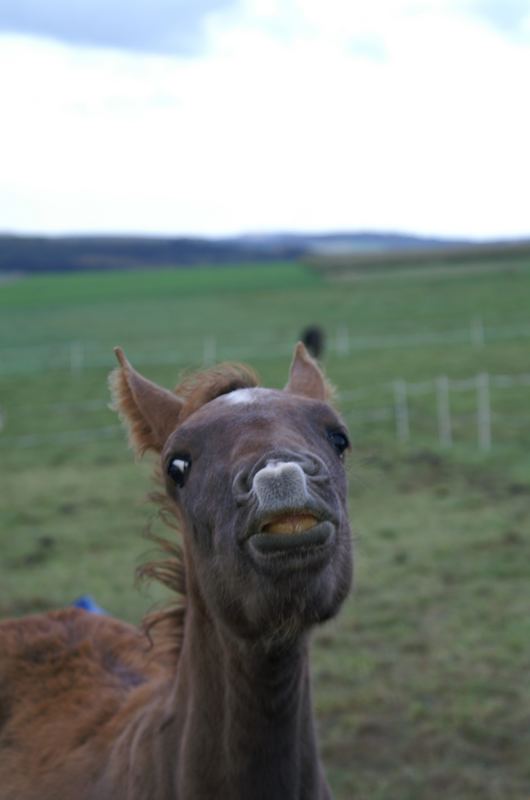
(90,709)
(138,711)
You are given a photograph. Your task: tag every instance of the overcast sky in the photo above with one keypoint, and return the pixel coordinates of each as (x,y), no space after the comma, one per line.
(230,116)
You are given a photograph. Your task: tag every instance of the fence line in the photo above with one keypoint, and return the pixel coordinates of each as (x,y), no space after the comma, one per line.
(484,412)
(209,351)
(443,408)
(345,398)
(110,431)
(477,332)
(60,437)
(401,410)
(77,356)
(399,392)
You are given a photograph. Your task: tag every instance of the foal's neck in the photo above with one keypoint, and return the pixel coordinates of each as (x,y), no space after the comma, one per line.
(247,730)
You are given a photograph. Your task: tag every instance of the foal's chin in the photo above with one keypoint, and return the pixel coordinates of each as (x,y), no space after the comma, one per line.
(287,587)
(285,610)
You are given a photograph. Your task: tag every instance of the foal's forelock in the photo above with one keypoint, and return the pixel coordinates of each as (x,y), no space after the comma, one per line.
(200,388)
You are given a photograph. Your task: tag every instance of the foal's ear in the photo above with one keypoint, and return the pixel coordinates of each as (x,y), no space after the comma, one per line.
(150,412)
(306,378)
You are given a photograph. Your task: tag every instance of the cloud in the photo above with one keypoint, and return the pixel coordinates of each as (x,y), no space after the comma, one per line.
(508,16)
(155,26)
(285,123)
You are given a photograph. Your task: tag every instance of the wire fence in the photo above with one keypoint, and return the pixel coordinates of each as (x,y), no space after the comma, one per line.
(77,356)
(412,410)
(482,414)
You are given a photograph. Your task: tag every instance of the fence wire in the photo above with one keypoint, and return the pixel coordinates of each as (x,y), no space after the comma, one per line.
(484,416)
(76,356)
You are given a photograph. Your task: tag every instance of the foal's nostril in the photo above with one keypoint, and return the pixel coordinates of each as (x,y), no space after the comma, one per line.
(242,487)
(241,482)
(280,484)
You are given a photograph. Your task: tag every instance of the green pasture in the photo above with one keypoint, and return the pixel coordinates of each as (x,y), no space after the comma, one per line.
(422,683)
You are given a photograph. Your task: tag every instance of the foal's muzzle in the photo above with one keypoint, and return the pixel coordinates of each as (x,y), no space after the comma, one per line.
(289,517)
(280,485)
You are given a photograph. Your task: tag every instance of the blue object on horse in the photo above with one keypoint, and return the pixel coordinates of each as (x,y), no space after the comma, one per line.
(87,603)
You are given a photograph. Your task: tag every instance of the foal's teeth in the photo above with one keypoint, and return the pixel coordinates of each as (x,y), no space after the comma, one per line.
(291,523)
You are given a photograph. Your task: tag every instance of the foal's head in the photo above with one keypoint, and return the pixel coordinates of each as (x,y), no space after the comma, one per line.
(258,479)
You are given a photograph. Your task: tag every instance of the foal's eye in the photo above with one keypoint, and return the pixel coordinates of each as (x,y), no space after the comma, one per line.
(339,440)
(178,469)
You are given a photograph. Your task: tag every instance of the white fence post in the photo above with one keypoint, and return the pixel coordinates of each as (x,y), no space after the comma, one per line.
(483,412)
(401,411)
(342,341)
(209,351)
(76,357)
(443,408)
(477,332)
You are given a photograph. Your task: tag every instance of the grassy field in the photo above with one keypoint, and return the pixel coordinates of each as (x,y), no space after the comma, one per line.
(422,683)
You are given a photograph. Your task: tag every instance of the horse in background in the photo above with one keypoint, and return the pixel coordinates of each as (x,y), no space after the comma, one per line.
(314,339)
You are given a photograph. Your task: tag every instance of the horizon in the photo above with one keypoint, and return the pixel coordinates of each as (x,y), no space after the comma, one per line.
(253,235)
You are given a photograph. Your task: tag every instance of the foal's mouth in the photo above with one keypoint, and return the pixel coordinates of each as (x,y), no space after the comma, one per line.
(291,523)
(292,532)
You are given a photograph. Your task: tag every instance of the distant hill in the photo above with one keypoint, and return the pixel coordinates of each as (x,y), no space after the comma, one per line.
(339,242)
(34,254)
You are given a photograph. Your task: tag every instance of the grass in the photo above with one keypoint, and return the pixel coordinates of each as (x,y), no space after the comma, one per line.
(500,255)
(421,683)
(431,654)
(105,287)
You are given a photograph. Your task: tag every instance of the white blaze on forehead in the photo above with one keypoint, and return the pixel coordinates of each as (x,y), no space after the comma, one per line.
(240,396)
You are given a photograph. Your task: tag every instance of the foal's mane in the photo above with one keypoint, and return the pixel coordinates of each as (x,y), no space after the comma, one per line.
(165,626)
